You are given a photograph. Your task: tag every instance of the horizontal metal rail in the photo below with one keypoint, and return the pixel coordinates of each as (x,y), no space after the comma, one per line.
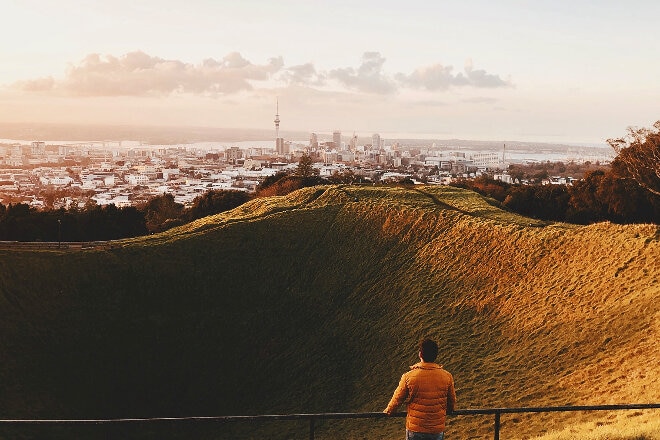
(497,412)
(61,245)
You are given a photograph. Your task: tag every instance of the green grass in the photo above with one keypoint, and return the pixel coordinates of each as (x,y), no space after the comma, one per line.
(314,302)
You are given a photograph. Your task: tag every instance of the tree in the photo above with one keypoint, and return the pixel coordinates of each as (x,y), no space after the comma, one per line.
(585,204)
(305,166)
(344,176)
(546,202)
(486,186)
(271,180)
(628,202)
(282,186)
(159,209)
(215,201)
(638,157)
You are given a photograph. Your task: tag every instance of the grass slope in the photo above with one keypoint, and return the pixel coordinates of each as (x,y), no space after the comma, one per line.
(314,302)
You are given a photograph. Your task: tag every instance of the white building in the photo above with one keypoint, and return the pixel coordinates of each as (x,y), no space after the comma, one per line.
(392,176)
(55,180)
(250,164)
(136,179)
(506,178)
(487,160)
(329,170)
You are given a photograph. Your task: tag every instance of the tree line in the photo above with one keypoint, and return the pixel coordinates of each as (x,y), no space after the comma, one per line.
(626,192)
(21,222)
(600,196)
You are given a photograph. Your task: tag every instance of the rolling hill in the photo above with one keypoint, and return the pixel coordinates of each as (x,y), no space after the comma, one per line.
(314,302)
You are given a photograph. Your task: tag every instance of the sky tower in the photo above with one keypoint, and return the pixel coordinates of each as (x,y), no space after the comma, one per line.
(279,142)
(277,118)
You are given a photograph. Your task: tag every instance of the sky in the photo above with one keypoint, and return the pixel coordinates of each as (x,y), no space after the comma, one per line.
(546,71)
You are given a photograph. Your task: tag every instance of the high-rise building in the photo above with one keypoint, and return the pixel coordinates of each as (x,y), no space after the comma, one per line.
(313,141)
(232,154)
(38,148)
(353,144)
(375,141)
(280,146)
(336,139)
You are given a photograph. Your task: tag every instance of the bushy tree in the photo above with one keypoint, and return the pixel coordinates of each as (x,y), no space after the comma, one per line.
(486,186)
(283,186)
(160,209)
(586,205)
(547,202)
(627,202)
(22,223)
(271,180)
(305,166)
(19,222)
(216,201)
(344,176)
(638,157)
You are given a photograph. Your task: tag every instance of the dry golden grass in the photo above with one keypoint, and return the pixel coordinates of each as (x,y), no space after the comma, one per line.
(559,314)
(528,313)
(566,314)
(632,425)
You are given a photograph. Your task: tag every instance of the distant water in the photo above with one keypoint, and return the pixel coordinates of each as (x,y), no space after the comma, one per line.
(581,156)
(136,144)
(576,153)
(126,144)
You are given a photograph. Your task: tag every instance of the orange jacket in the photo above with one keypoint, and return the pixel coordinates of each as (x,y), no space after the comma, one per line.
(429,392)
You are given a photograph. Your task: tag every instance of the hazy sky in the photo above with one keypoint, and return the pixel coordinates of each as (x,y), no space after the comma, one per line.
(557,71)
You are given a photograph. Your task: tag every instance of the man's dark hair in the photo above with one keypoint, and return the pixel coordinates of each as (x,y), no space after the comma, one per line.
(428,349)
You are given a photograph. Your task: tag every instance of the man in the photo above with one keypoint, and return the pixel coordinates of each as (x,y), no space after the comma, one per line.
(429,391)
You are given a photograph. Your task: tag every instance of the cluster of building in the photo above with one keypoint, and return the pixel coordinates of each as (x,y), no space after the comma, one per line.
(45,175)
(73,174)
(54,175)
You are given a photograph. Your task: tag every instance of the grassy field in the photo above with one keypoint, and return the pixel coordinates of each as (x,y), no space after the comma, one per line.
(314,302)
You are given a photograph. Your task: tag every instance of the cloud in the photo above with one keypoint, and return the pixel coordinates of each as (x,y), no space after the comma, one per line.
(304,74)
(480,78)
(368,78)
(139,74)
(36,85)
(436,77)
(439,77)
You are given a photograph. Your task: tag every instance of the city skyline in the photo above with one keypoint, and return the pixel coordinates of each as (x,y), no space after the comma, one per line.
(552,72)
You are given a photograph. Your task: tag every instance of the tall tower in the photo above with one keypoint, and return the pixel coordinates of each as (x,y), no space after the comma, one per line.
(279,142)
(277,118)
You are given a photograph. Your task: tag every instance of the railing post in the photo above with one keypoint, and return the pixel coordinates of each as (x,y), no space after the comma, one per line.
(311,428)
(497,426)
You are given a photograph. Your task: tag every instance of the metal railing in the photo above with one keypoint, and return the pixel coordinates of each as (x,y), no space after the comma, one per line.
(313,418)
(58,245)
